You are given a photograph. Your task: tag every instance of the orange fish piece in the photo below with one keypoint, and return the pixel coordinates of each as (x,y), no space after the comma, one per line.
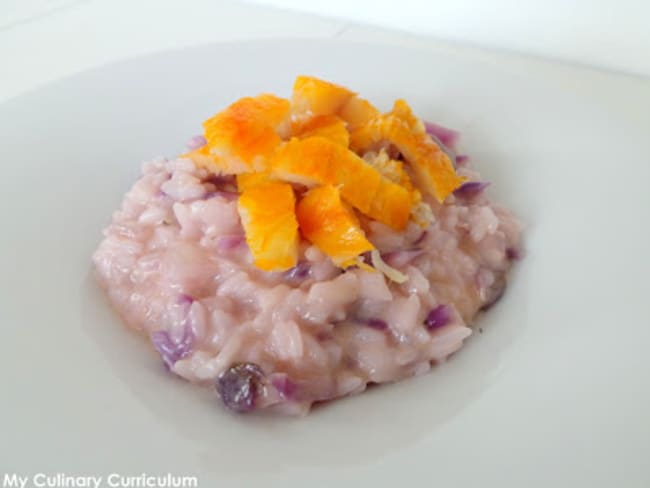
(390,168)
(202,158)
(317,161)
(267,212)
(434,171)
(392,204)
(249,180)
(357,112)
(328,223)
(243,135)
(318,96)
(328,126)
(403,110)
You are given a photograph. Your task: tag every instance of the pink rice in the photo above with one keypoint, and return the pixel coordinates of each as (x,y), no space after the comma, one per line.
(176,267)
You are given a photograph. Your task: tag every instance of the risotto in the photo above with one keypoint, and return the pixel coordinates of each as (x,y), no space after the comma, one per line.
(306,248)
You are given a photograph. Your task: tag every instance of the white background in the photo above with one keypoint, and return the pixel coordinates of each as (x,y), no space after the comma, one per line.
(607,33)
(42,40)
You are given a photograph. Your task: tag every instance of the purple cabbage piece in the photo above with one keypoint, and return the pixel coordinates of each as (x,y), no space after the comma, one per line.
(461,159)
(196,142)
(377,324)
(284,386)
(471,189)
(299,272)
(240,386)
(513,254)
(220,180)
(438,317)
(173,350)
(230,242)
(447,137)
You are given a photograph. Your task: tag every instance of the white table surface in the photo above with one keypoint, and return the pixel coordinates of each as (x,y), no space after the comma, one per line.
(610,34)
(43,40)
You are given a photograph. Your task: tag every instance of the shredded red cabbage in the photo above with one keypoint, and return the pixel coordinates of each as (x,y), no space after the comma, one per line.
(471,189)
(230,242)
(283,384)
(376,323)
(445,136)
(171,350)
(512,253)
(462,159)
(220,180)
(438,317)
(299,272)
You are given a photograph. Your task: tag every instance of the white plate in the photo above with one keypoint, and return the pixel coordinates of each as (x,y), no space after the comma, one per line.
(555,392)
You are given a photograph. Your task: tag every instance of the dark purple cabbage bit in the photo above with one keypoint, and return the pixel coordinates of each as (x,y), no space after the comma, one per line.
(461,159)
(445,138)
(513,254)
(443,135)
(173,350)
(438,317)
(471,189)
(375,323)
(449,152)
(240,386)
(298,273)
(220,180)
